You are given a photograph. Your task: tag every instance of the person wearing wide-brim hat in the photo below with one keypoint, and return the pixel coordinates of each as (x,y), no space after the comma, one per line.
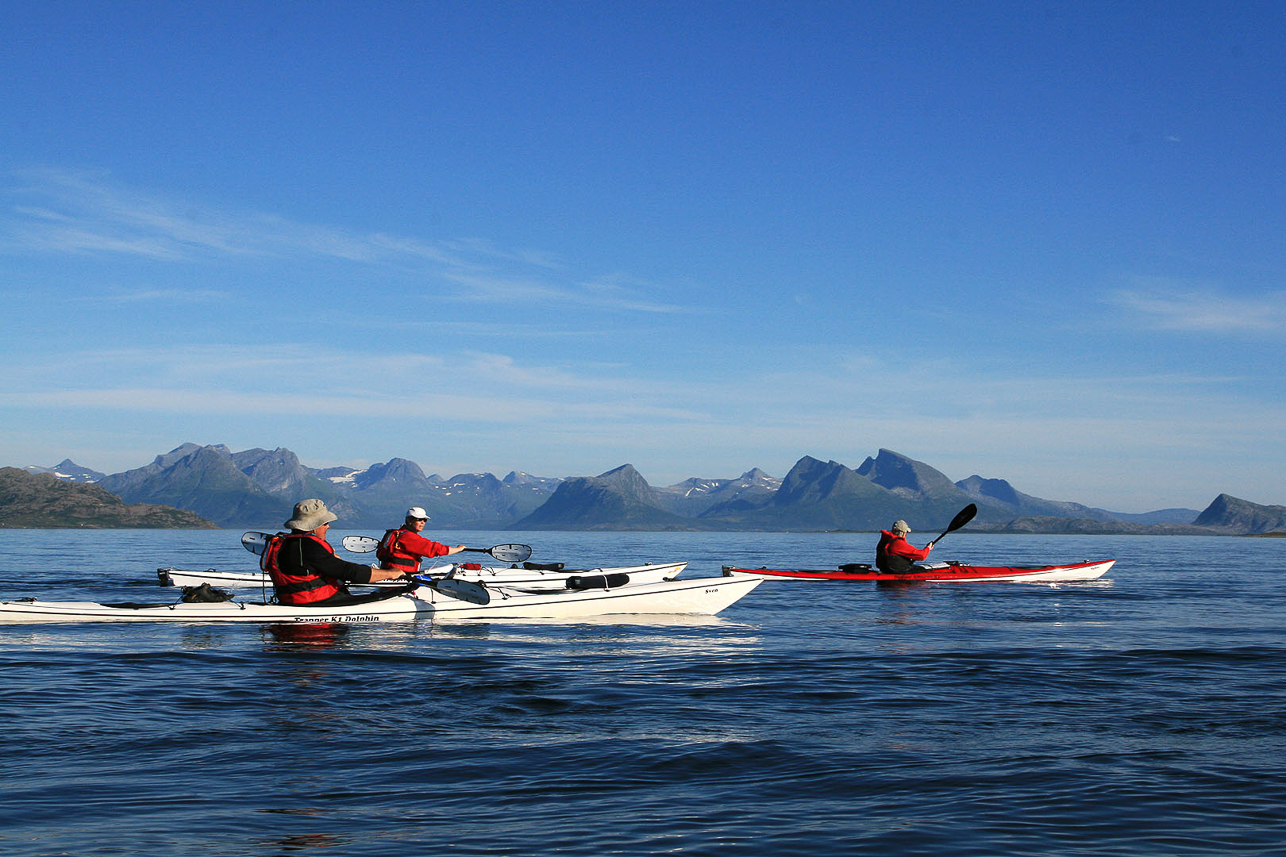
(894,554)
(304,568)
(403,549)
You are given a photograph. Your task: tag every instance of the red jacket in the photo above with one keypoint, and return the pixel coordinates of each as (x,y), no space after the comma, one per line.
(403,549)
(895,555)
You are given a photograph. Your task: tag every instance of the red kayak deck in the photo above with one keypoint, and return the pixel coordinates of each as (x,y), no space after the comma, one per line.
(947,572)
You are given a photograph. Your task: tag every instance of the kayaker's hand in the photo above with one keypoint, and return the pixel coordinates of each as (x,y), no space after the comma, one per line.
(930,545)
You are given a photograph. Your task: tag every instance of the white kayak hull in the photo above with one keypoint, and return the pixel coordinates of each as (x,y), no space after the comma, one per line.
(534,579)
(695,596)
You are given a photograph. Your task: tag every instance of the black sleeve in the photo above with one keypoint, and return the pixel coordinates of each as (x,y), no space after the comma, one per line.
(325,563)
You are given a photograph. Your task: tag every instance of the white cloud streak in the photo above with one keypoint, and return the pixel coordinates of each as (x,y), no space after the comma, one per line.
(1205,311)
(86,214)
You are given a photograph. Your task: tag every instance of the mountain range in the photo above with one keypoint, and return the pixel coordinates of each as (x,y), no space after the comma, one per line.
(258,487)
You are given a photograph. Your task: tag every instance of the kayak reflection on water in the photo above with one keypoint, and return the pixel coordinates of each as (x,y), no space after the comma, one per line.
(309,633)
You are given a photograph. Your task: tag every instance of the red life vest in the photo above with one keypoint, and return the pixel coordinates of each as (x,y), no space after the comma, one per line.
(391,554)
(302,588)
(895,555)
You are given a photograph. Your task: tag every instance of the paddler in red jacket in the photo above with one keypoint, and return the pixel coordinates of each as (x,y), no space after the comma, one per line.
(402,549)
(894,554)
(305,570)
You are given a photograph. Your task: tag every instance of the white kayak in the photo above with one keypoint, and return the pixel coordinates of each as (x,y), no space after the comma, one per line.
(703,596)
(523,578)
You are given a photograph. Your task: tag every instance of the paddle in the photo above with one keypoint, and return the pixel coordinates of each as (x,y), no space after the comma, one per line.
(256,543)
(962,517)
(359,544)
(465,590)
(504,553)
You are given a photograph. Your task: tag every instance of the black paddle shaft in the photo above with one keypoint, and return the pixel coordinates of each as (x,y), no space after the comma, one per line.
(962,517)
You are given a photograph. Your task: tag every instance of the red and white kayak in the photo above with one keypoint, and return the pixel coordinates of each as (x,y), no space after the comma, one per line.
(945,572)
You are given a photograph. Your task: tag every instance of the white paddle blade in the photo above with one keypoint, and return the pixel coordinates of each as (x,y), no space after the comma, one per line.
(360,544)
(511,553)
(256,543)
(465,590)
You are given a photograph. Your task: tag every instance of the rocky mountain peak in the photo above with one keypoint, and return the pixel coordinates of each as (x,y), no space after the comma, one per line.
(275,471)
(629,482)
(996,489)
(1232,513)
(395,470)
(68,471)
(906,477)
(177,454)
(811,479)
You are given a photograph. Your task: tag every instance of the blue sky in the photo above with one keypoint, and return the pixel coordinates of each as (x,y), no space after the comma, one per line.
(1033,241)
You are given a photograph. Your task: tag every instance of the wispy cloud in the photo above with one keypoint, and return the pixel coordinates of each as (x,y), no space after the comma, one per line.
(621,292)
(1210,311)
(82,213)
(87,214)
(169,296)
(604,293)
(119,377)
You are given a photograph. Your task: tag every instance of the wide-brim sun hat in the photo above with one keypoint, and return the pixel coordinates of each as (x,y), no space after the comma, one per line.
(310,514)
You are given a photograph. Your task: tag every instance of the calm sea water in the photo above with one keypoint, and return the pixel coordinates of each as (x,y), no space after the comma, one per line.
(1143,714)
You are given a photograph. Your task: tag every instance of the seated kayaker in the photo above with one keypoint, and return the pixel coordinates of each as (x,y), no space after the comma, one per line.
(305,570)
(894,554)
(403,548)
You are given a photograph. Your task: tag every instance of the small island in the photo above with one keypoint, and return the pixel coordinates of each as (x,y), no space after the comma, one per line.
(38,500)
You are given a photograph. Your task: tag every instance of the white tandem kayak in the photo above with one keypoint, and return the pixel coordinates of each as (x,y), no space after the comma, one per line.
(521,577)
(704,596)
